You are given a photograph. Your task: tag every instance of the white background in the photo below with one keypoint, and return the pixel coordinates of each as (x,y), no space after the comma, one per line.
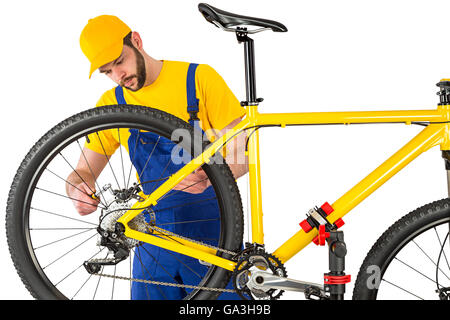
(337,56)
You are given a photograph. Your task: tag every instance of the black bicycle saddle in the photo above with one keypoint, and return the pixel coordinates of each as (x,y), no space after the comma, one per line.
(227,19)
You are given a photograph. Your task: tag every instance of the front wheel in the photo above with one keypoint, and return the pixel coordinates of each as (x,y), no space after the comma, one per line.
(411,260)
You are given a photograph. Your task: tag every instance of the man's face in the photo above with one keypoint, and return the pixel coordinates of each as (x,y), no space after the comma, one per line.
(128,70)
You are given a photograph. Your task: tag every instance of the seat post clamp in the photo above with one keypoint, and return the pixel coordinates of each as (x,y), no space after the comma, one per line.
(242,34)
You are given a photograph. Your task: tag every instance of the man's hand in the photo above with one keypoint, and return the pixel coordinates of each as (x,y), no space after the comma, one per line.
(81,198)
(81,182)
(196,182)
(236,159)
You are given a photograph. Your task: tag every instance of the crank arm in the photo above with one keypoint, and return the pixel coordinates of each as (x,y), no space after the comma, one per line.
(265,281)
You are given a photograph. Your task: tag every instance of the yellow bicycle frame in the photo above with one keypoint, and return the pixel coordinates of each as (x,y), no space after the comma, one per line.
(436,133)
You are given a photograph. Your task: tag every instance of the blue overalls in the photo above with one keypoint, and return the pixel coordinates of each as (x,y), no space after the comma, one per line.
(191,215)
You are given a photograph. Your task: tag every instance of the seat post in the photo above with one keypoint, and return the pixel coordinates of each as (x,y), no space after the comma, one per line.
(249,56)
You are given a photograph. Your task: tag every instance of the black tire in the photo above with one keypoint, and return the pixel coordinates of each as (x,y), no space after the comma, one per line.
(21,193)
(425,228)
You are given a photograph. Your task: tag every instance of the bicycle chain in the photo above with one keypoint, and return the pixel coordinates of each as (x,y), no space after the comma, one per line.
(170,284)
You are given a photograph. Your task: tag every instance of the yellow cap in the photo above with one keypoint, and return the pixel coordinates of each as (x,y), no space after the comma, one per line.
(102,40)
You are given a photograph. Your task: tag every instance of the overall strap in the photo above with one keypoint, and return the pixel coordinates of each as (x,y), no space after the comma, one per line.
(192,101)
(119,95)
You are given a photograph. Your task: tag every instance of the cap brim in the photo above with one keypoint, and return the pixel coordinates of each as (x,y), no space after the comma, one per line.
(107,56)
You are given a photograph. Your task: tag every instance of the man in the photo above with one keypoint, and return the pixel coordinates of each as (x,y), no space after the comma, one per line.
(117,52)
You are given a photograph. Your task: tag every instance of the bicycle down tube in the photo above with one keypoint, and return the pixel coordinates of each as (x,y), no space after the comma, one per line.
(436,133)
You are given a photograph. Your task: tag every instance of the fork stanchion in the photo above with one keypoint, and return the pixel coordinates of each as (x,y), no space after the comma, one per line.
(446,156)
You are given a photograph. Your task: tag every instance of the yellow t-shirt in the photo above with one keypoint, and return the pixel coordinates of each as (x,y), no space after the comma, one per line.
(218,106)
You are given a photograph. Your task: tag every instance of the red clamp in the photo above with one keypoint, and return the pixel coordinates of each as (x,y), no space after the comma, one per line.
(339,223)
(336,279)
(321,238)
(326,208)
(305,226)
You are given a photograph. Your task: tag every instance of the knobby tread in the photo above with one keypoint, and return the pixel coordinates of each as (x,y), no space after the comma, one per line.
(394,237)
(13,230)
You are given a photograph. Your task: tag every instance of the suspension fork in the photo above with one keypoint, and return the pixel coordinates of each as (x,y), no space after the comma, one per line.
(446,156)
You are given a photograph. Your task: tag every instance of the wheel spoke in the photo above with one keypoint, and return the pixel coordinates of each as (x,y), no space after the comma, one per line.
(76,172)
(152,181)
(59,229)
(82,191)
(130,276)
(78,267)
(185,265)
(165,168)
(442,245)
(114,282)
(63,216)
(162,267)
(121,159)
(107,158)
(430,259)
(415,270)
(99,278)
(77,246)
(134,156)
(92,174)
(392,284)
(148,159)
(177,191)
(62,239)
(184,204)
(82,286)
(182,222)
(151,277)
(67,197)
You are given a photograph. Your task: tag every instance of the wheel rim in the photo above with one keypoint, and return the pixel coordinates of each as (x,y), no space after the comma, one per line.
(418,267)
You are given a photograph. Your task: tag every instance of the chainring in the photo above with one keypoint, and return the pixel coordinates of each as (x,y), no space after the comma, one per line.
(260,260)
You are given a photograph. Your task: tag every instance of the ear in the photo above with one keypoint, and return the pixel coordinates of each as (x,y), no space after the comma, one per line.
(136,40)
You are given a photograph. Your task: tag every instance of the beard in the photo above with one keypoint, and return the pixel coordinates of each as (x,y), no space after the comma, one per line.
(141,73)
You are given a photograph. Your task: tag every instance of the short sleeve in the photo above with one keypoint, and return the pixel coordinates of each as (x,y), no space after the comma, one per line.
(103,142)
(220,104)
(107,99)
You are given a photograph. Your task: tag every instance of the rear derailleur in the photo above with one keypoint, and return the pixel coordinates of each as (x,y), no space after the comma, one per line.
(114,243)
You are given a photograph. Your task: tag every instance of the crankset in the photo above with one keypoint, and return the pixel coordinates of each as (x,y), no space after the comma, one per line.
(261,276)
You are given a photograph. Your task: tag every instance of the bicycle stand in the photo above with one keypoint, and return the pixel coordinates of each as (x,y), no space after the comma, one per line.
(336,279)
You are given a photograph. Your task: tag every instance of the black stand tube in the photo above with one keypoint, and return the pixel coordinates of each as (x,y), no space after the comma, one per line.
(337,251)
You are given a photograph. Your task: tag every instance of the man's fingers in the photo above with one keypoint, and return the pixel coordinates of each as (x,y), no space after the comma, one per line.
(194,183)
(83,200)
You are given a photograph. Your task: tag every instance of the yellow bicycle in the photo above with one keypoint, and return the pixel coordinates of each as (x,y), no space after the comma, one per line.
(60,255)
